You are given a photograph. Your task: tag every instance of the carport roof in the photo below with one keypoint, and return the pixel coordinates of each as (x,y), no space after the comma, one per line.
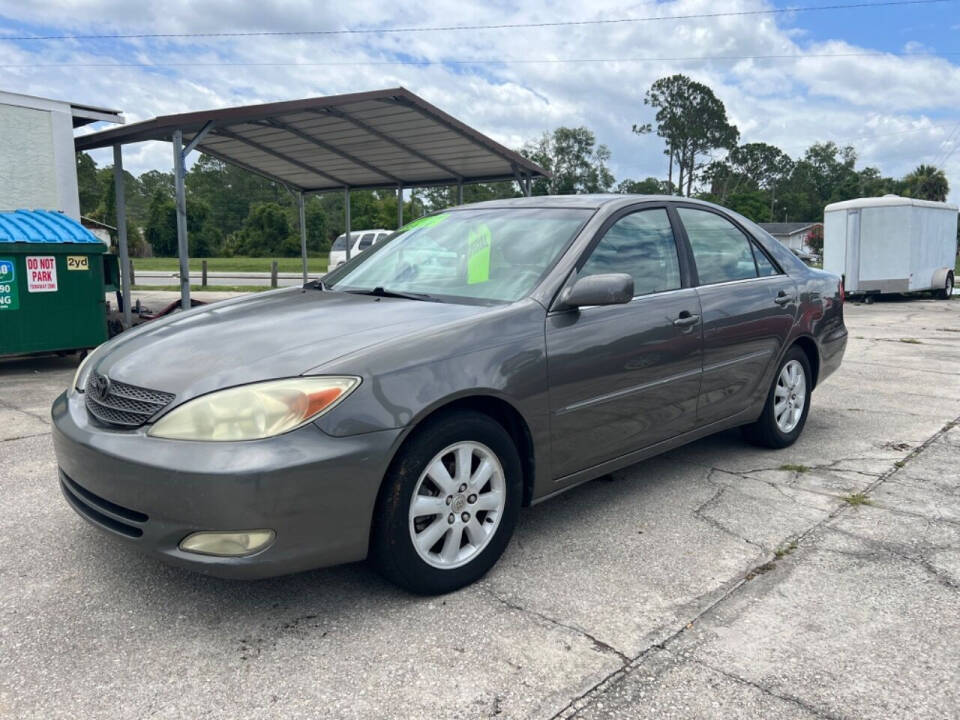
(383,138)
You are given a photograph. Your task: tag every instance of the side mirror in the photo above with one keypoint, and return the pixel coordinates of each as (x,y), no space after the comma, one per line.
(607,289)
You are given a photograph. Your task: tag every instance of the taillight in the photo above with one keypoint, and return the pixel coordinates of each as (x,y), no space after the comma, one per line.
(841,292)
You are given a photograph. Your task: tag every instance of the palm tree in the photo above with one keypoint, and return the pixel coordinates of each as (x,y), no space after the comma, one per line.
(927,183)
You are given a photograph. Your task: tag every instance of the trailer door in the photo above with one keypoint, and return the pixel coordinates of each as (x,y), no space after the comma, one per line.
(852,264)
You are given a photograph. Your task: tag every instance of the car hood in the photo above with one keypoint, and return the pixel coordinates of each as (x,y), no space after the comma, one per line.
(271,335)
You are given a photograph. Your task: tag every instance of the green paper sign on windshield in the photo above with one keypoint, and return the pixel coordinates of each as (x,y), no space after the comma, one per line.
(478,256)
(423,222)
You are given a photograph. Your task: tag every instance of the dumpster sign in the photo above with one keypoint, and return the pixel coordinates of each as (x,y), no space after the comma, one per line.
(41,273)
(9,294)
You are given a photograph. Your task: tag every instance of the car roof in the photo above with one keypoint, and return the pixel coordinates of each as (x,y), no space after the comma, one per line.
(590,201)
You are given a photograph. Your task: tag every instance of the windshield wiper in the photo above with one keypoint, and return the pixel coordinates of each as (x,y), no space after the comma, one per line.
(380,291)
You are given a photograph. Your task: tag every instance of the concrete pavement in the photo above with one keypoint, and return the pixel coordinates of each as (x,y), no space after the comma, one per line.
(719,580)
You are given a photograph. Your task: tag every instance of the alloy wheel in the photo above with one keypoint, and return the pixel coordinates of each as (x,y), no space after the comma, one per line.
(457,505)
(790,396)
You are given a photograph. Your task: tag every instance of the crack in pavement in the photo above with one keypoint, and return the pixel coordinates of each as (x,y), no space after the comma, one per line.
(597,642)
(793,699)
(4,404)
(900,550)
(585,698)
(699,513)
(24,437)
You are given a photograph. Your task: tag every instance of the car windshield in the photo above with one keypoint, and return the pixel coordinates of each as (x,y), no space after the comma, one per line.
(492,254)
(340,243)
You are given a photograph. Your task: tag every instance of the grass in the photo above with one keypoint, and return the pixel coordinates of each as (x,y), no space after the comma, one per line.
(232,264)
(857,499)
(795,468)
(784,550)
(208,288)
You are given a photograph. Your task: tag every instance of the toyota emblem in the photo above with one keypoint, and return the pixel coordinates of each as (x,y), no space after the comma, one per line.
(99,386)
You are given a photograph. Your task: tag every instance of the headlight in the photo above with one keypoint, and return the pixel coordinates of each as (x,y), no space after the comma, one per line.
(251,412)
(80,376)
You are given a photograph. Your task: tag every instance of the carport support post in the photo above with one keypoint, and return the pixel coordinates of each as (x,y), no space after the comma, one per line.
(346,213)
(181,196)
(121,203)
(460,192)
(303,234)
(399,206)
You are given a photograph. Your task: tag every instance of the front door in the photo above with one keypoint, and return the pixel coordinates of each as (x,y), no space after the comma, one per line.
(623,377)
(748,306)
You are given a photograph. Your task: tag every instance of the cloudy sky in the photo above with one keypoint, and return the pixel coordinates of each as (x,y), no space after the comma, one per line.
(885,79)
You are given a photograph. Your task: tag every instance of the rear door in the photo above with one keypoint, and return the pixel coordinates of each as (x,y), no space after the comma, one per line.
(623,377)
(748,307)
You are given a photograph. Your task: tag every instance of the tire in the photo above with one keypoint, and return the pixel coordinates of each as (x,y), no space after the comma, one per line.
(947,290)
(767,431)
(464,539)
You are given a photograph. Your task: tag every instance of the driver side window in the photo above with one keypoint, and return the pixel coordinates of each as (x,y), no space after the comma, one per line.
(642,245)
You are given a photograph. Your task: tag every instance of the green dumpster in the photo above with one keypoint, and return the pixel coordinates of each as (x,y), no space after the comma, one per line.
(51,284)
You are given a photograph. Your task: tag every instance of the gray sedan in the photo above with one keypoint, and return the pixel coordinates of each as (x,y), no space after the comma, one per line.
(409,404)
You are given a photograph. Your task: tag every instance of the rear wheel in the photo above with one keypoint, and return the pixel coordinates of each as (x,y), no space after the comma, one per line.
(947,290)
(787,405)
(449,504)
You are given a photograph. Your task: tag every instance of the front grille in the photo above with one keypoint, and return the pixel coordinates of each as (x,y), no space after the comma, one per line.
(117,403)
(101,511)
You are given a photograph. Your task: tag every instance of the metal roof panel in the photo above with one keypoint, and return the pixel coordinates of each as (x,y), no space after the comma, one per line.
(42,226)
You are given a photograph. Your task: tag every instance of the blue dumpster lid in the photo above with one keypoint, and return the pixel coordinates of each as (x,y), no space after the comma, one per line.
(42,226)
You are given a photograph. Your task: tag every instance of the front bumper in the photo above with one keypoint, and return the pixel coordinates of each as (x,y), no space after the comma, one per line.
(315,491)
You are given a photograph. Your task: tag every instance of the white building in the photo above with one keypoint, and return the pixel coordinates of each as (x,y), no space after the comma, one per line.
(38,167)
(792,234)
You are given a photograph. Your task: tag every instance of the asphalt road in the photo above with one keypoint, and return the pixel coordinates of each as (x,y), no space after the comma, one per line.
(719,580)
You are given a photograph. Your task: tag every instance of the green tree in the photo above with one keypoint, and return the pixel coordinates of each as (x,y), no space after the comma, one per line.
(647,186)
(751,204)
(153,181)
(926,182)
(691,120)
(266,232)
(578,163)
(88,183)
(161,227)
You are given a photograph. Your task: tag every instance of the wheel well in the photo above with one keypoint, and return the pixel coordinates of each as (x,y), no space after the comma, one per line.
(511,421)
(813,356)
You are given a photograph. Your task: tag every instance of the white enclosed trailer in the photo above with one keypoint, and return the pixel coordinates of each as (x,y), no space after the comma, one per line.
(891,244)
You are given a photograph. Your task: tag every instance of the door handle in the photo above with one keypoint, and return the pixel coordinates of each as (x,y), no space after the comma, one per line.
(783,298)
(686,319)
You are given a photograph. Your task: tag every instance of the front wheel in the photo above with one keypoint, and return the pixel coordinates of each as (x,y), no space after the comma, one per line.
(787,405)
(947,290)
(448,505)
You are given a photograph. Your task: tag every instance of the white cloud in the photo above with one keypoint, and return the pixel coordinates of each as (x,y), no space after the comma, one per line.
(895,109)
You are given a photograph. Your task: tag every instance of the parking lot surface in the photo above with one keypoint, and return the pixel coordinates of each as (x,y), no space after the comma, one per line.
(719,580)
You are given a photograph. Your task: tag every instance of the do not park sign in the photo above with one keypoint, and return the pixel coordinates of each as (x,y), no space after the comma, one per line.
(41,273)
(9,295)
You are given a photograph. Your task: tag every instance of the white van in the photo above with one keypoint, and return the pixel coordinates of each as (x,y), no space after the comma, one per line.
(360,239)
(891,244)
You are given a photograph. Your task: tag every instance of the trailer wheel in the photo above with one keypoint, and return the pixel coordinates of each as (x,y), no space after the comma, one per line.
(947,290)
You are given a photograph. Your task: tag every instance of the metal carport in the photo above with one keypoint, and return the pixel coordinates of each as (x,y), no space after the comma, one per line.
(372,140)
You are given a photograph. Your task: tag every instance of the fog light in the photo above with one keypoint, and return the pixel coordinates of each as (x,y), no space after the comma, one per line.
(227,544)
